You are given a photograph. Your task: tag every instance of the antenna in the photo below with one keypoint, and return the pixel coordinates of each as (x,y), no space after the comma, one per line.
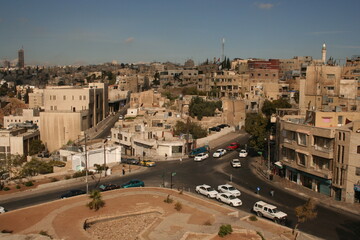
(222,49)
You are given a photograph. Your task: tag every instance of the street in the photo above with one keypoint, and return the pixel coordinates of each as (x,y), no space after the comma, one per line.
(187,174)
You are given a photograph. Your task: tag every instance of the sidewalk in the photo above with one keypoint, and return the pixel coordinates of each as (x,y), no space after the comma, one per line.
(299,190)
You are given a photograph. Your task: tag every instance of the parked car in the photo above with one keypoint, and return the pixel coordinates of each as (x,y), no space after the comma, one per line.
(201,156)
(233,146)
(133,183)
(223,125)
(72,193)
(206,190)
(235,163)
(108,186)
(147,163)
(262,208)
(218,153)
(227,188)
(132,161)
(228,198)
(121,117)
(2,210)
(215,129)
(243,153)
(196,151)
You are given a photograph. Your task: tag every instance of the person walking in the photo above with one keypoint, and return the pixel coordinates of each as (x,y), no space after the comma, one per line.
(272,192)
(123,171)
(258,190)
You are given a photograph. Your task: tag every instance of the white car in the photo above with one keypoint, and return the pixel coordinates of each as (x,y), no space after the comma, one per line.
(220,152)
(206,190)
(228,198)
(201,156)
(2,210)
(269,211)
(235,163)
(227,188)
(243,153)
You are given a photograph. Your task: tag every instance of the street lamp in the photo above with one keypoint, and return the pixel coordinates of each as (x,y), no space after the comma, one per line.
(86,169)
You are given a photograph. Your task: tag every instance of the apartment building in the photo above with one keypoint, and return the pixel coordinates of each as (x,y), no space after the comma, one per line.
(148,98)
(36,98)
(24,115)
(71,110)
(314,152)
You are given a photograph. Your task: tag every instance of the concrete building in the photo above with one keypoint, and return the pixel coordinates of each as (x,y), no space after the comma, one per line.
(36,98)
(146,99)
(16,141)
(26,115)
(321,151)
(69,111)
(21,58)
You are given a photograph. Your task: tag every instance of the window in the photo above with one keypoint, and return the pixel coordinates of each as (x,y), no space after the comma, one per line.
(289,136)
(64,97)
(120,136)
(302,159)
(177,149)
(322,144)
(301,139)
(357,171)
(80,97)
(330,88)
(321,163)
(330,76)
(358,149)
(125,138)
(84,97)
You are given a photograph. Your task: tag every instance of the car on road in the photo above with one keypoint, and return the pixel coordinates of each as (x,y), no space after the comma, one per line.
(147,163)
(2,210)
(235,163)
(243,153)
(227,188)
(132,161)
(263,209)
(219,153)
(121,117)
(72,193)
(233,146)
(215,129)
(108,187)
(133,183)
(228,198)
(206,190)
(201,157)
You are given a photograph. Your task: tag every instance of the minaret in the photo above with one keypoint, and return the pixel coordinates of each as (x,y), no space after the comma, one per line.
(323,53)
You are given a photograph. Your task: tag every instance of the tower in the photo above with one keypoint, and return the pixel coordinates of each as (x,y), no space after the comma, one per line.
(21,60)
(222,49)
(323,53)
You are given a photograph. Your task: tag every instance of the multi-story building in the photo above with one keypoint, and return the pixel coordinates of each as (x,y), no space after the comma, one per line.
(21,59)
(36,98)
(321,151)
(69,111)
(25,115)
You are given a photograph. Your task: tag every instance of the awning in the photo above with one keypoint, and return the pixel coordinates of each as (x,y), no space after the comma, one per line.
(279,164)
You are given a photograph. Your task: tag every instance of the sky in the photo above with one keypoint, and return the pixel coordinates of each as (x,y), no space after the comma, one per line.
(81,32)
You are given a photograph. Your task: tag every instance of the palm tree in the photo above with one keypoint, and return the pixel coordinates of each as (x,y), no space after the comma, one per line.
(96,202)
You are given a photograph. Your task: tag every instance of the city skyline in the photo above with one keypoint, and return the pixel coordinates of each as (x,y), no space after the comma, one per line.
(93,32)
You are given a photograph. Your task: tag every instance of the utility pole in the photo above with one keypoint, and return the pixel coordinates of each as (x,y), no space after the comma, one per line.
(105,158)
(268,155)
(86,168)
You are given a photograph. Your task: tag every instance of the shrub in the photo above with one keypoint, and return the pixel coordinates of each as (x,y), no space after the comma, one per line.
(6,189)
(67,177)
(44,233)
(53,179)
(207,223)
(178,206)
(224,230)
(79,174)
(6,231)
(18,186)
(253,218)
(168,199)
(57,163)
(29,184)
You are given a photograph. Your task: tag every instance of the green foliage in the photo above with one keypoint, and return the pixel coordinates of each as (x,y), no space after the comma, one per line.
(57,163)
(53,179)
(190,127)
(28,183)
(18,186)
(35,147)
(79,174)
(200,108)
(305,212)
(224,230)
(100,168)
(35,167)
(253,218)
(6,189)
(168,199)
(255,125)
(170,96)
(67,177)
(96,200)
(269,107)
(178,206)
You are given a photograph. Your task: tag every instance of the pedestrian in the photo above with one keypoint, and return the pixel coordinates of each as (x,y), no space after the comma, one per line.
(272,192)
(123,171)
(180,160)
(258,190)
(165,156)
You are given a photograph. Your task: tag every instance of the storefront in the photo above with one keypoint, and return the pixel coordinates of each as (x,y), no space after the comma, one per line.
(357,193)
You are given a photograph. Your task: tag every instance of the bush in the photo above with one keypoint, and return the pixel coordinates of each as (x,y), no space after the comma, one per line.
(29,184)
(168,199)
(253,218)
(79,174)
(53,179)
(207,223)
(44,233)
(18,186)
(6,189)
(178,206)
(57,163)
(224,230)
(67,177)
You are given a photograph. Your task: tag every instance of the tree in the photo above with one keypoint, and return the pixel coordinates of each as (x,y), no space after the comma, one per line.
(35,167)
(269,107)
(36,146)
(190,127)
(96,200)
(304,213)
(200,108)
(256,126)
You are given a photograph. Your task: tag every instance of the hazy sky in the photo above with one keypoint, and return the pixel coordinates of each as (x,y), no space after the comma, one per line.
(96,31)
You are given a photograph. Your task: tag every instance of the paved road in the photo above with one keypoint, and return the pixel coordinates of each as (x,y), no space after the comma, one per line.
(330,223)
